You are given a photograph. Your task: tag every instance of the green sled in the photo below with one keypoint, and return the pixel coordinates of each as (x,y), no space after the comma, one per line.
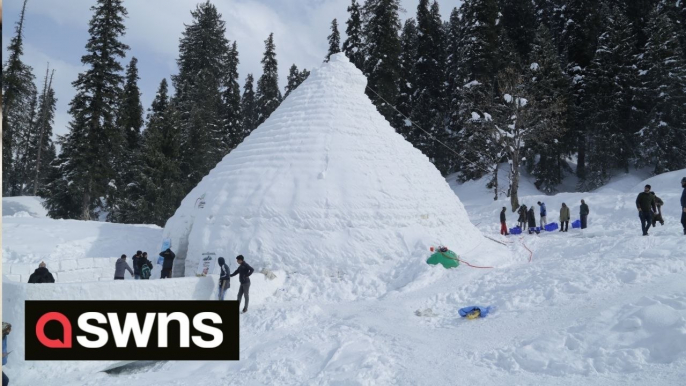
(447,259)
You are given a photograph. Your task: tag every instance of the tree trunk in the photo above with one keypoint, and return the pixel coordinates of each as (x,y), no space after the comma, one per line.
(514,181)
(85,202)
(581,159)
(494,182)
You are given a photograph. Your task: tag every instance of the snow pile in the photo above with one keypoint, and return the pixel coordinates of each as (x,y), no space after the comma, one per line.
(325,188)
(23,206)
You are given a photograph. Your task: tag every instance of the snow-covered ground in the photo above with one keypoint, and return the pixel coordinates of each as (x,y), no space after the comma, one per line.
(605,306)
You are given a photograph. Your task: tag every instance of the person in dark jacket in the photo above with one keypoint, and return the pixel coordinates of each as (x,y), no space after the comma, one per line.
(142,262)
(120,267)
(644,204)
(135,260)
(531,216)
(168,264)
(683,204)
(243,271)
(224,278)
(657,210)
(583,214)
(522,217)
(41,275)
(503,224)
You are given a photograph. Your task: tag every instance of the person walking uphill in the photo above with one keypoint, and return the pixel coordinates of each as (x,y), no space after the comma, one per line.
(244,271)
(644,204)
(683,204)
(168,263)
(522,217)
(120,267)
(41,275)
(503,224)
(564,218)
(544,214)
(583,214)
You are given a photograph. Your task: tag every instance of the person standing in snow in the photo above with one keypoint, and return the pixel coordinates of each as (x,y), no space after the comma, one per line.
(503,224)
(6,329)
(244,271)
(683,204)
(144,266)
(135,260)
(583,214)
(564,218)
(41,275)
(120,267)
(644,204)
(657,210)
(522,217)
(168,263)
(531,215)
(544,213)
(224,279)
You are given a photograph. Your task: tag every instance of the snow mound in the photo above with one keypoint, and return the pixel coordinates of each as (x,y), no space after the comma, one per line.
(23,206)
(325,187)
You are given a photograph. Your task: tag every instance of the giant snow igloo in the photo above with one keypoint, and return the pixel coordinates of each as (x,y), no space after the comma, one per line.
(325,185)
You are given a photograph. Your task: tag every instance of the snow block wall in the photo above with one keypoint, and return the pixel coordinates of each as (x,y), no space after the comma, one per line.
(324,186)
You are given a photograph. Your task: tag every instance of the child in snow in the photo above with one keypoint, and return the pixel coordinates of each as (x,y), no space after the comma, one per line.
(657,210)
(544,214)
(503,225)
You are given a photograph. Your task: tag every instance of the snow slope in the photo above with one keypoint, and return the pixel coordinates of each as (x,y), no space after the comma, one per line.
(600,307)
(23,206)
(324,185)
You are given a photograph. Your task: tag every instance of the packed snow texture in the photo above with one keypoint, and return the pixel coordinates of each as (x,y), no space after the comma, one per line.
(324,187)
(73,250)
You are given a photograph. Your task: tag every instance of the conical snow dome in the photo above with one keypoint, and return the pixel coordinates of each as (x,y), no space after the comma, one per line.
(325,184)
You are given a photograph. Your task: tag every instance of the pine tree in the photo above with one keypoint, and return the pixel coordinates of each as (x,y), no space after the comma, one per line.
(200,85)
(578,45)
(519,20)
(249,106)
(129,121)
(609,105)
(268,93)
(662,141)
(406,84)
(86,164)
(24,155)
(472,103)
(334,40)
(157,190)
(548,88)
(353,45)
(295,77)
(428,103)
(382,49)
(232,102)
(130,115)
(453,81)
(43,149)
(18,93)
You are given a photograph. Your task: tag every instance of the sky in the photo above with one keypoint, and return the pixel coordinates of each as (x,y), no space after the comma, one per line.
(57,32)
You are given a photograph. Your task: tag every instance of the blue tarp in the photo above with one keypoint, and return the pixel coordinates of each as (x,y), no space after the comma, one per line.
(465,311)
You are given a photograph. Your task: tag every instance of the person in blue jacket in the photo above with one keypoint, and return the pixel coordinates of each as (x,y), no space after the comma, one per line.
(544,213)
(6,329)
(683,204)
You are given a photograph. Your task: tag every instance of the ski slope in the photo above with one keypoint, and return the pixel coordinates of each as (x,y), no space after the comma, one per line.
(600,307)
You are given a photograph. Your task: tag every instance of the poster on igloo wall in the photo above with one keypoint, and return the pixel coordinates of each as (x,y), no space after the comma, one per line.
(206,264)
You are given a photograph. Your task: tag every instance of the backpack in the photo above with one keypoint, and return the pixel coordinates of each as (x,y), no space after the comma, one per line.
(145,271)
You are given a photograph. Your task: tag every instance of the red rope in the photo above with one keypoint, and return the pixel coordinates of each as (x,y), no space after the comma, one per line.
(531,254)
(473,266)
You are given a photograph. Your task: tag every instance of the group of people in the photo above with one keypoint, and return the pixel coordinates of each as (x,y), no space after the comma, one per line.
(142,267)
(243,271)
(528,217)
(649,207)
